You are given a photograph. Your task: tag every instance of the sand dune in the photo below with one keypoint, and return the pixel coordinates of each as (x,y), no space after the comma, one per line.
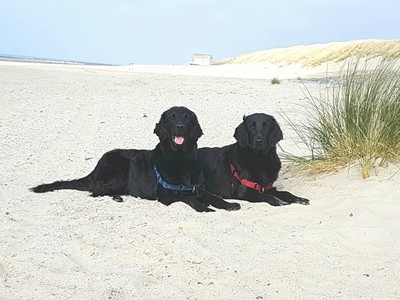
(55,123)
(312,61)
(315,55)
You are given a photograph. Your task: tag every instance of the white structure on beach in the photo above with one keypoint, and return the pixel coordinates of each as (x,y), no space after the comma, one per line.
(201,59)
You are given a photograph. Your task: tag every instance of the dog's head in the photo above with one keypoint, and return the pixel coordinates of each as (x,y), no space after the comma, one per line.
(259,132)
(179,127)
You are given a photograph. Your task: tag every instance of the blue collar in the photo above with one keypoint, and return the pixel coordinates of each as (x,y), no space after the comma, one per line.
(175,187)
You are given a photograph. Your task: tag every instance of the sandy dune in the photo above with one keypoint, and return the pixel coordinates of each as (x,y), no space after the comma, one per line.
(55,123)
(315,55)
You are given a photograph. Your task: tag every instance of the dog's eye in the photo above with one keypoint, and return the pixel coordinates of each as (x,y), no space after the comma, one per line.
(265,126)
(251,126)
(172,117)
(186,116)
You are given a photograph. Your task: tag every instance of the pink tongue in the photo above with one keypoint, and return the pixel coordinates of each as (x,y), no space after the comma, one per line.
(179,140)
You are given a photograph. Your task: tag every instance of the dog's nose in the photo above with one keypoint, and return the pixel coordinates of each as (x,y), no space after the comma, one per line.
(180,127)
(258,141)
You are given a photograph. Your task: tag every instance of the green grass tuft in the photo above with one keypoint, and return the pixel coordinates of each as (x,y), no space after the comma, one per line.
(356,121)
(275,81)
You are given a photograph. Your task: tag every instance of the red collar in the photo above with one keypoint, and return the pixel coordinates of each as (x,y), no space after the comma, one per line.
(250,184)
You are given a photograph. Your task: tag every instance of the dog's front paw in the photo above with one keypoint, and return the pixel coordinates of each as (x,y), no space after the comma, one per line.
(233,206)
(302,201)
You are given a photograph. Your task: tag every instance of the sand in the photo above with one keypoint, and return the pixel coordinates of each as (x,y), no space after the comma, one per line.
(317,54)
(55,123)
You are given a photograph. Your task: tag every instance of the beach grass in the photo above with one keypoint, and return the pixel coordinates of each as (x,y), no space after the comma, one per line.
(356,121)
(315,55)
(275,80)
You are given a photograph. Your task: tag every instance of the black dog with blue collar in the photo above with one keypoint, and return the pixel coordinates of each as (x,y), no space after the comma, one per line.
(178,176)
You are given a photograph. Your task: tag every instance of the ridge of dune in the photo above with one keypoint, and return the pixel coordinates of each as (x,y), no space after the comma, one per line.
(317,54)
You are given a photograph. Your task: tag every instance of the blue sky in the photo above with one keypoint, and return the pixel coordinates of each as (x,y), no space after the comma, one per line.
(171,31)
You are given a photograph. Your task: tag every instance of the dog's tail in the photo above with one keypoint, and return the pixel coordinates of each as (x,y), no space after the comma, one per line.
(82,184)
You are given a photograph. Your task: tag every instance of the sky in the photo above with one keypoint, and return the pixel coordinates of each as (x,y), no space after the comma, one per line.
(171,31)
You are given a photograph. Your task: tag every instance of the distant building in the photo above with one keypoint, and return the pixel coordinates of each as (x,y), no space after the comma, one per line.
(201,59)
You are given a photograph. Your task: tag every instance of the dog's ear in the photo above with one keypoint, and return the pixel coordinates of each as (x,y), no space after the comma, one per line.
(276,134)
(196,131)
(160,128)
(241,134)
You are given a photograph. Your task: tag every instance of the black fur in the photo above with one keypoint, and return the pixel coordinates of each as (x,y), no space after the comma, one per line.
(131,172)
(254,157)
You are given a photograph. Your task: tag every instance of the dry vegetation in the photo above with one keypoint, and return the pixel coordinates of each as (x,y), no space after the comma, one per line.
(356,121)
(314,55)
(275,80)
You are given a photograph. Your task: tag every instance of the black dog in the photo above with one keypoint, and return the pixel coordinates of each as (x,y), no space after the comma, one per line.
(169,173)
(247,169)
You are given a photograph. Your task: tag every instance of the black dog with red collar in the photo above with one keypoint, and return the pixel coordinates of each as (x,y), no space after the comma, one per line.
(247,169)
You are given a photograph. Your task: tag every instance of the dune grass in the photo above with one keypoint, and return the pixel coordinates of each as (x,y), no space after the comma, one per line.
(275,80)
(315,55)
(357,121)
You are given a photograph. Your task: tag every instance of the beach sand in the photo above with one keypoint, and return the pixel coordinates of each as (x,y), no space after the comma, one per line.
(57,120)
